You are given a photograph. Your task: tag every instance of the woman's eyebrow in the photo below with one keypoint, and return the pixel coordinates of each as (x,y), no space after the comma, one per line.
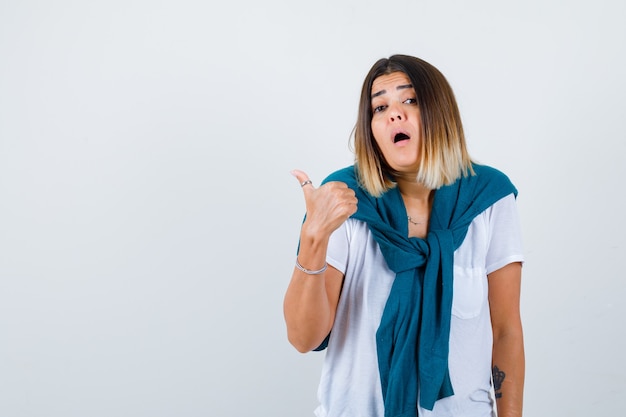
(380,93)
(400,87)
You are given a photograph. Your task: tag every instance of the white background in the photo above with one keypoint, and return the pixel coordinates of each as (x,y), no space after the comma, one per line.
(148,220)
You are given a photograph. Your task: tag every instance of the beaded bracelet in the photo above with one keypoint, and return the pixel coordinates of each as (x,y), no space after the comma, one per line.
(308,271)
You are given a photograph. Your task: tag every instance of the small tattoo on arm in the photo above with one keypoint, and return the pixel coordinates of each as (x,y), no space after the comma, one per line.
(498,377)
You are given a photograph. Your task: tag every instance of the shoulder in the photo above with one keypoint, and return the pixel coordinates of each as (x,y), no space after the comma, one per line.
(347,175)
(486,171)
(492,178)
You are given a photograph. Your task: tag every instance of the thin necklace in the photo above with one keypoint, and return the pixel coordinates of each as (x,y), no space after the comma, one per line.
(411,220)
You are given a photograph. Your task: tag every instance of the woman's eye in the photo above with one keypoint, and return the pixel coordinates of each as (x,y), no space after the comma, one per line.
(411,101)
(378,109)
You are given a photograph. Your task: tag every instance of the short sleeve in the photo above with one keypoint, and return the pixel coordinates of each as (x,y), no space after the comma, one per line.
(338,248)
(505,235)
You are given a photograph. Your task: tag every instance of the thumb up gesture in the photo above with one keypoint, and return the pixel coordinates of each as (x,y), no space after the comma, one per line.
(328,206)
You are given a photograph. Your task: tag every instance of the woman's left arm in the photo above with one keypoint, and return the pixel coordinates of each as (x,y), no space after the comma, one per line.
(508,342)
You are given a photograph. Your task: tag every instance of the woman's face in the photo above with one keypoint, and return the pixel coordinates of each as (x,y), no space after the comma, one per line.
(396,121)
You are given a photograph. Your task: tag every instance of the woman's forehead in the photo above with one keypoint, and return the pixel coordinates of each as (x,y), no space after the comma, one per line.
(395,80)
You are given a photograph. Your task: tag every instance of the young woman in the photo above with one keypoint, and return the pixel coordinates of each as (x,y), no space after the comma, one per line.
(409,263)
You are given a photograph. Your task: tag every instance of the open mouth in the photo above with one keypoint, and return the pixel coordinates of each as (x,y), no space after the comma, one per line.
(399,137)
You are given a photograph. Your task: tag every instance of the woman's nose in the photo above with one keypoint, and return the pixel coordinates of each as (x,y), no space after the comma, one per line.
(396,114)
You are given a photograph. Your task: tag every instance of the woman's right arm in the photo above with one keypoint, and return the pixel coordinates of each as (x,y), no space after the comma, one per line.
(311,300)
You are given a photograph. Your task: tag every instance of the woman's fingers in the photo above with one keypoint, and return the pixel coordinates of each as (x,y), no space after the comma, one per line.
(329,205)
(302,178)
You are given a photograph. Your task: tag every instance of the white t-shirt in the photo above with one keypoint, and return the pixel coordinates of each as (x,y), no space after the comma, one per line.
(350,382)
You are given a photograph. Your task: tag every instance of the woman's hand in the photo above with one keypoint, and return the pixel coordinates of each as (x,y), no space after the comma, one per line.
(327,207)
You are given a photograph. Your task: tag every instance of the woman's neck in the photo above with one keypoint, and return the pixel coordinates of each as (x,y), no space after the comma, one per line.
(414,191)
(418,203)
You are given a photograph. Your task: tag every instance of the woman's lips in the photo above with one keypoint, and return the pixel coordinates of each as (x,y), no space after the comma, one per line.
(398,137)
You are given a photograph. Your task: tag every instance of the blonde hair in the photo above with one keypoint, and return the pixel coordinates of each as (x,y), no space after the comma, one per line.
(444,155)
